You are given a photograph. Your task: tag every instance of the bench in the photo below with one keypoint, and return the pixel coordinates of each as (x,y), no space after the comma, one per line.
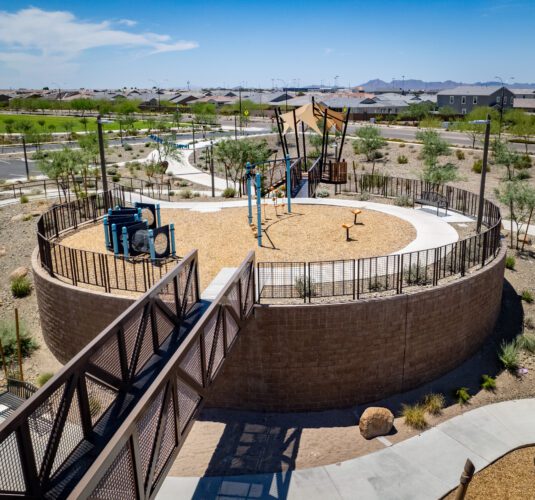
(433,198)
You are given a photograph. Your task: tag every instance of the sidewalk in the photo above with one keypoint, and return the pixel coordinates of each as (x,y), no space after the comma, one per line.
(424,467)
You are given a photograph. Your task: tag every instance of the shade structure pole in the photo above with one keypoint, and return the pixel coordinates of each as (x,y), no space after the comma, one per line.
(304,143)
(296,135)
(289,183)
(249,195)
(279,128)
(259,209)
(343,136)
(323,145)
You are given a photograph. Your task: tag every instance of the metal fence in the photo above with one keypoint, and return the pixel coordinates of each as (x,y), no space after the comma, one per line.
(314,177)
(355,278)
(111,422)
(51,440)
(296,176)
(82,267)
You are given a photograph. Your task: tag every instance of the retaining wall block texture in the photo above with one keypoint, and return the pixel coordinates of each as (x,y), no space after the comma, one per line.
(312,357)
(72,316)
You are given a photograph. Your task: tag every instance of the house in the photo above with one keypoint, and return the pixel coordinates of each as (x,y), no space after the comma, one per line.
(465,98)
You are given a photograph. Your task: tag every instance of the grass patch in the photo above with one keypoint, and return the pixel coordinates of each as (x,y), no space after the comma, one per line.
(510,262)
(463,395)
(527,296)
(508,355)
(21,287)
(434,403)
(526,342)
(24,199)
(488,383)
(43,378)
(414,416)
(8,336)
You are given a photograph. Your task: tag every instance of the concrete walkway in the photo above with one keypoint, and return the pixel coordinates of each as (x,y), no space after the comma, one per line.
(424,467)
(431,231)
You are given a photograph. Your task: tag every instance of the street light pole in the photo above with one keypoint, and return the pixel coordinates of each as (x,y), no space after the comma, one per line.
(212,167)
(483,172)
(25,158)
(102,162)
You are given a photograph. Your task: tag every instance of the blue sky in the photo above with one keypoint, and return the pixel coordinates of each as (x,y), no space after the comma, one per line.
(111,44)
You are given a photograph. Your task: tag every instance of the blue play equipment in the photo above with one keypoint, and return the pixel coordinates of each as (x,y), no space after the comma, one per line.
(159,140)
(132,231)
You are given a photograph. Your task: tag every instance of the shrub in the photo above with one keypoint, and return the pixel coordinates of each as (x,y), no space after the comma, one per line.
(488,383)
(523,161)
(460,154)
(510,262)
(127,147)
(20,287)
(402,145)
(414,416)
(24,199)
(434,403)
(116,178)
(27,217)
(43,378)
(186,193)
(477,167)
(322,193)
(403,201)
(304,288)
(111,171)
(403,160)
(147,144)
(229,193)
(527,296)
(529,324)
(8,336)
(526,342)
(185,183)
(523,175)
(462,395)
(196,194)
(508,355)
(416,275)
(364,196)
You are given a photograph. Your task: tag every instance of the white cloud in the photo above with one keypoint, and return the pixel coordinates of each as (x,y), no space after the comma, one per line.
(127,22)
(53,40)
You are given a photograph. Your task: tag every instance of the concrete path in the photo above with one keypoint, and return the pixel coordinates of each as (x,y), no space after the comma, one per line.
(431,231)
(424,467)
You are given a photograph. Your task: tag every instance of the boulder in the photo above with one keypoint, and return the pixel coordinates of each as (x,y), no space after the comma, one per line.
(18,218)
(3,250)
(19,272)
(376,421)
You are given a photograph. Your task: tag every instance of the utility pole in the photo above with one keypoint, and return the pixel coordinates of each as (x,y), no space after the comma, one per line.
(239,93)
(483,172)
(212,167)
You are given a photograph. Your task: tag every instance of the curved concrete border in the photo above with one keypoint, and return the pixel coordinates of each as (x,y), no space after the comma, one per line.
(424,467)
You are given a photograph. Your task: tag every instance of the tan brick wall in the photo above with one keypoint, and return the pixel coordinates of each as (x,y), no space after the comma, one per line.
(71,316)
(323,356)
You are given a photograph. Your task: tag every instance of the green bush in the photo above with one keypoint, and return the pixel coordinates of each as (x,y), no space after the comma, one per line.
(43,378)
(111,171)
(523,175)
(434,403)
(322,193)
(523,161)
(116,178)
(510,262)
(21,287)
(477,167)
(183,183)
(127,147)
(364,196)
(403,201)
(526,342)
(508,355)
(24,199)
(27,217)
(416,275)
(488,383)
(229,193)
(401,145)
(460,154)
(186,193)
(414,416)
(8,336)
(463,395)
(403,160)
(196,194)
(527,296)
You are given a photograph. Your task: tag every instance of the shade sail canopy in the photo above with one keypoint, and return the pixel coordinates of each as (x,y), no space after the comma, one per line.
(310,115)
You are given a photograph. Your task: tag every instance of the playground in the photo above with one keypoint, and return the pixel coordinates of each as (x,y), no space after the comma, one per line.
(310,232)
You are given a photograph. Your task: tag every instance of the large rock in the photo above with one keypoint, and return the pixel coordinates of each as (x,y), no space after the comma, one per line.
(18,273)
(376,421)
(18,218)
(3,250)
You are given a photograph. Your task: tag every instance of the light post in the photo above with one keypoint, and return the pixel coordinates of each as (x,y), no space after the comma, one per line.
(25,158)
(483,171)
(102,161)
(212,167)
(501,104)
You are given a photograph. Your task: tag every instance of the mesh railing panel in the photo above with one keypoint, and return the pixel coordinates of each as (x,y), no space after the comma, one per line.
(11,478)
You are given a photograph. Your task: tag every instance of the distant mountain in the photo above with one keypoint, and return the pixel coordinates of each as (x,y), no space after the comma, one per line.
(377,84)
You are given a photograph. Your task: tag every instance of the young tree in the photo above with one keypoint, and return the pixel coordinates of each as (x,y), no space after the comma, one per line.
(369,142)
(62,166)
(433,148)
(521,125)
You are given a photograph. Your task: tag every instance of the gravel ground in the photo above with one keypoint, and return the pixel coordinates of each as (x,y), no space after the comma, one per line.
(19,241)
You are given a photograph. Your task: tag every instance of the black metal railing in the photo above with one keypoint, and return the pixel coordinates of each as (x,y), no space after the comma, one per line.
(51,440)
(314,177)
(356,278)
(296,176)
(82,267)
